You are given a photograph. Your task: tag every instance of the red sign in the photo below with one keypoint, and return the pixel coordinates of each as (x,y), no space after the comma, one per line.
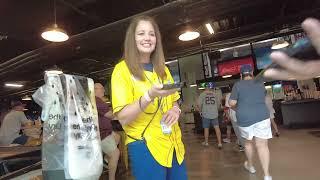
(233,67)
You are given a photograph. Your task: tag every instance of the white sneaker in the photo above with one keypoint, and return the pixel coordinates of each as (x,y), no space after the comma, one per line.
(251,169)
(226,140)
(267,178)
(205,143)
(220,146)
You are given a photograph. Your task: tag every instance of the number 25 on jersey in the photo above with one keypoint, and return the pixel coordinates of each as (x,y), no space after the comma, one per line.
(210,100)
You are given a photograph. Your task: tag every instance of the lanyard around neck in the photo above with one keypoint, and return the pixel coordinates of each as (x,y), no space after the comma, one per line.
(151,82)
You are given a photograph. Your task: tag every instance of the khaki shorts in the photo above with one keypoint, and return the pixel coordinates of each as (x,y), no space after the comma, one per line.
(108,144)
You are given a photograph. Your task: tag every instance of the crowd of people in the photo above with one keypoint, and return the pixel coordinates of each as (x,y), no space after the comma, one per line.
(142,106)
(149,114)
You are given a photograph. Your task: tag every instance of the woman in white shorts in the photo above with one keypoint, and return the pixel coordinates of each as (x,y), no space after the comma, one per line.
(260,129)
(253,118)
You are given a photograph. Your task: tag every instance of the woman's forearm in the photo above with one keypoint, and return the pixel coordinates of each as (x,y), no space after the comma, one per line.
(130,112)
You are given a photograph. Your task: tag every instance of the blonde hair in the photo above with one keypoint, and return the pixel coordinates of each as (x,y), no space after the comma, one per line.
(131,53)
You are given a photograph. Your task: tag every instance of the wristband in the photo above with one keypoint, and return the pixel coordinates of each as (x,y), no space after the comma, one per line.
(147,96)
(177,109)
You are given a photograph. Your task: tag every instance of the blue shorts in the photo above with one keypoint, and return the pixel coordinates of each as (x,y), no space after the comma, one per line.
(145,167)
(207,122)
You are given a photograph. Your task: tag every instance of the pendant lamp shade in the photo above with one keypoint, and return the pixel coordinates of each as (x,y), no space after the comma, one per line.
(189,36)
(55,34)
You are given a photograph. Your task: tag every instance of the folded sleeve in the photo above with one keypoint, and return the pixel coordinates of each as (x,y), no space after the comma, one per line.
(121,88)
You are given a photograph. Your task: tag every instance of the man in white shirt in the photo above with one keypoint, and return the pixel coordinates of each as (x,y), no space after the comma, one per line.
(11,125)
(233,119)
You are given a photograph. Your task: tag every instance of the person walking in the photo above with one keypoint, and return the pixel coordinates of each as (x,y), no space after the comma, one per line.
(253,118)
(208,104)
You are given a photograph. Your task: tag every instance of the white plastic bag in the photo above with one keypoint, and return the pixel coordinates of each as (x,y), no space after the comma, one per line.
(70,126)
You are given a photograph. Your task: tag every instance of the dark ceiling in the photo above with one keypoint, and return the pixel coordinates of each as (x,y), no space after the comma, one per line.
(97,29)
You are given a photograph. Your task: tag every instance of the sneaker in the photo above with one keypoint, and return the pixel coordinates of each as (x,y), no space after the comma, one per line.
(205,143)
(267,178)
(226,140)
(277,134)
(241,148)
(220,146)
(251,169)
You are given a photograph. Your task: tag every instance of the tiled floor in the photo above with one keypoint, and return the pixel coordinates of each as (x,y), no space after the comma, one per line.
(294,156)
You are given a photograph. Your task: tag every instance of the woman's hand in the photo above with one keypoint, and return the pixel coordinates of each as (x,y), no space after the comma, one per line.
(171,116)
(157,91)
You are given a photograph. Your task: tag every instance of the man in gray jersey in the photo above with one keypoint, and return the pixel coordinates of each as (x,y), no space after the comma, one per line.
(208,104)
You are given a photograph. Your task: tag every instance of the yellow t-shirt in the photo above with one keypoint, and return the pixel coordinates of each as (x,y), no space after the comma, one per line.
(125,90)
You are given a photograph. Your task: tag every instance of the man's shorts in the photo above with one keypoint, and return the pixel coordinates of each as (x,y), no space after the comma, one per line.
(260,129)
(207,122)
(108,144)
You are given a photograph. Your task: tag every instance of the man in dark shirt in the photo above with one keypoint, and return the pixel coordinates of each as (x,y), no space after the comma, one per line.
(108,138)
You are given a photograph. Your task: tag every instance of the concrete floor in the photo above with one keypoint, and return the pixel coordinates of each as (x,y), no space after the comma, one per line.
(294,156)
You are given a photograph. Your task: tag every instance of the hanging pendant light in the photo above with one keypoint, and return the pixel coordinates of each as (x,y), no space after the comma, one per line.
(279,44)
(55,34)
(54,70)
(189,35)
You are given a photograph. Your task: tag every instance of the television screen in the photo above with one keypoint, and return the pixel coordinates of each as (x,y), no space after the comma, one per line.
(232,67)
(263,57)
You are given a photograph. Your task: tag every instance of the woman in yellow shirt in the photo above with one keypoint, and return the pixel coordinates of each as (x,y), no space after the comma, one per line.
(148,113)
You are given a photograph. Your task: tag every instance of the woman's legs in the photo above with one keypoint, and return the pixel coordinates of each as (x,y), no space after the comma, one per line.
(144,166)
(178,171)
(149,168)
(249,150)
(264,154)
